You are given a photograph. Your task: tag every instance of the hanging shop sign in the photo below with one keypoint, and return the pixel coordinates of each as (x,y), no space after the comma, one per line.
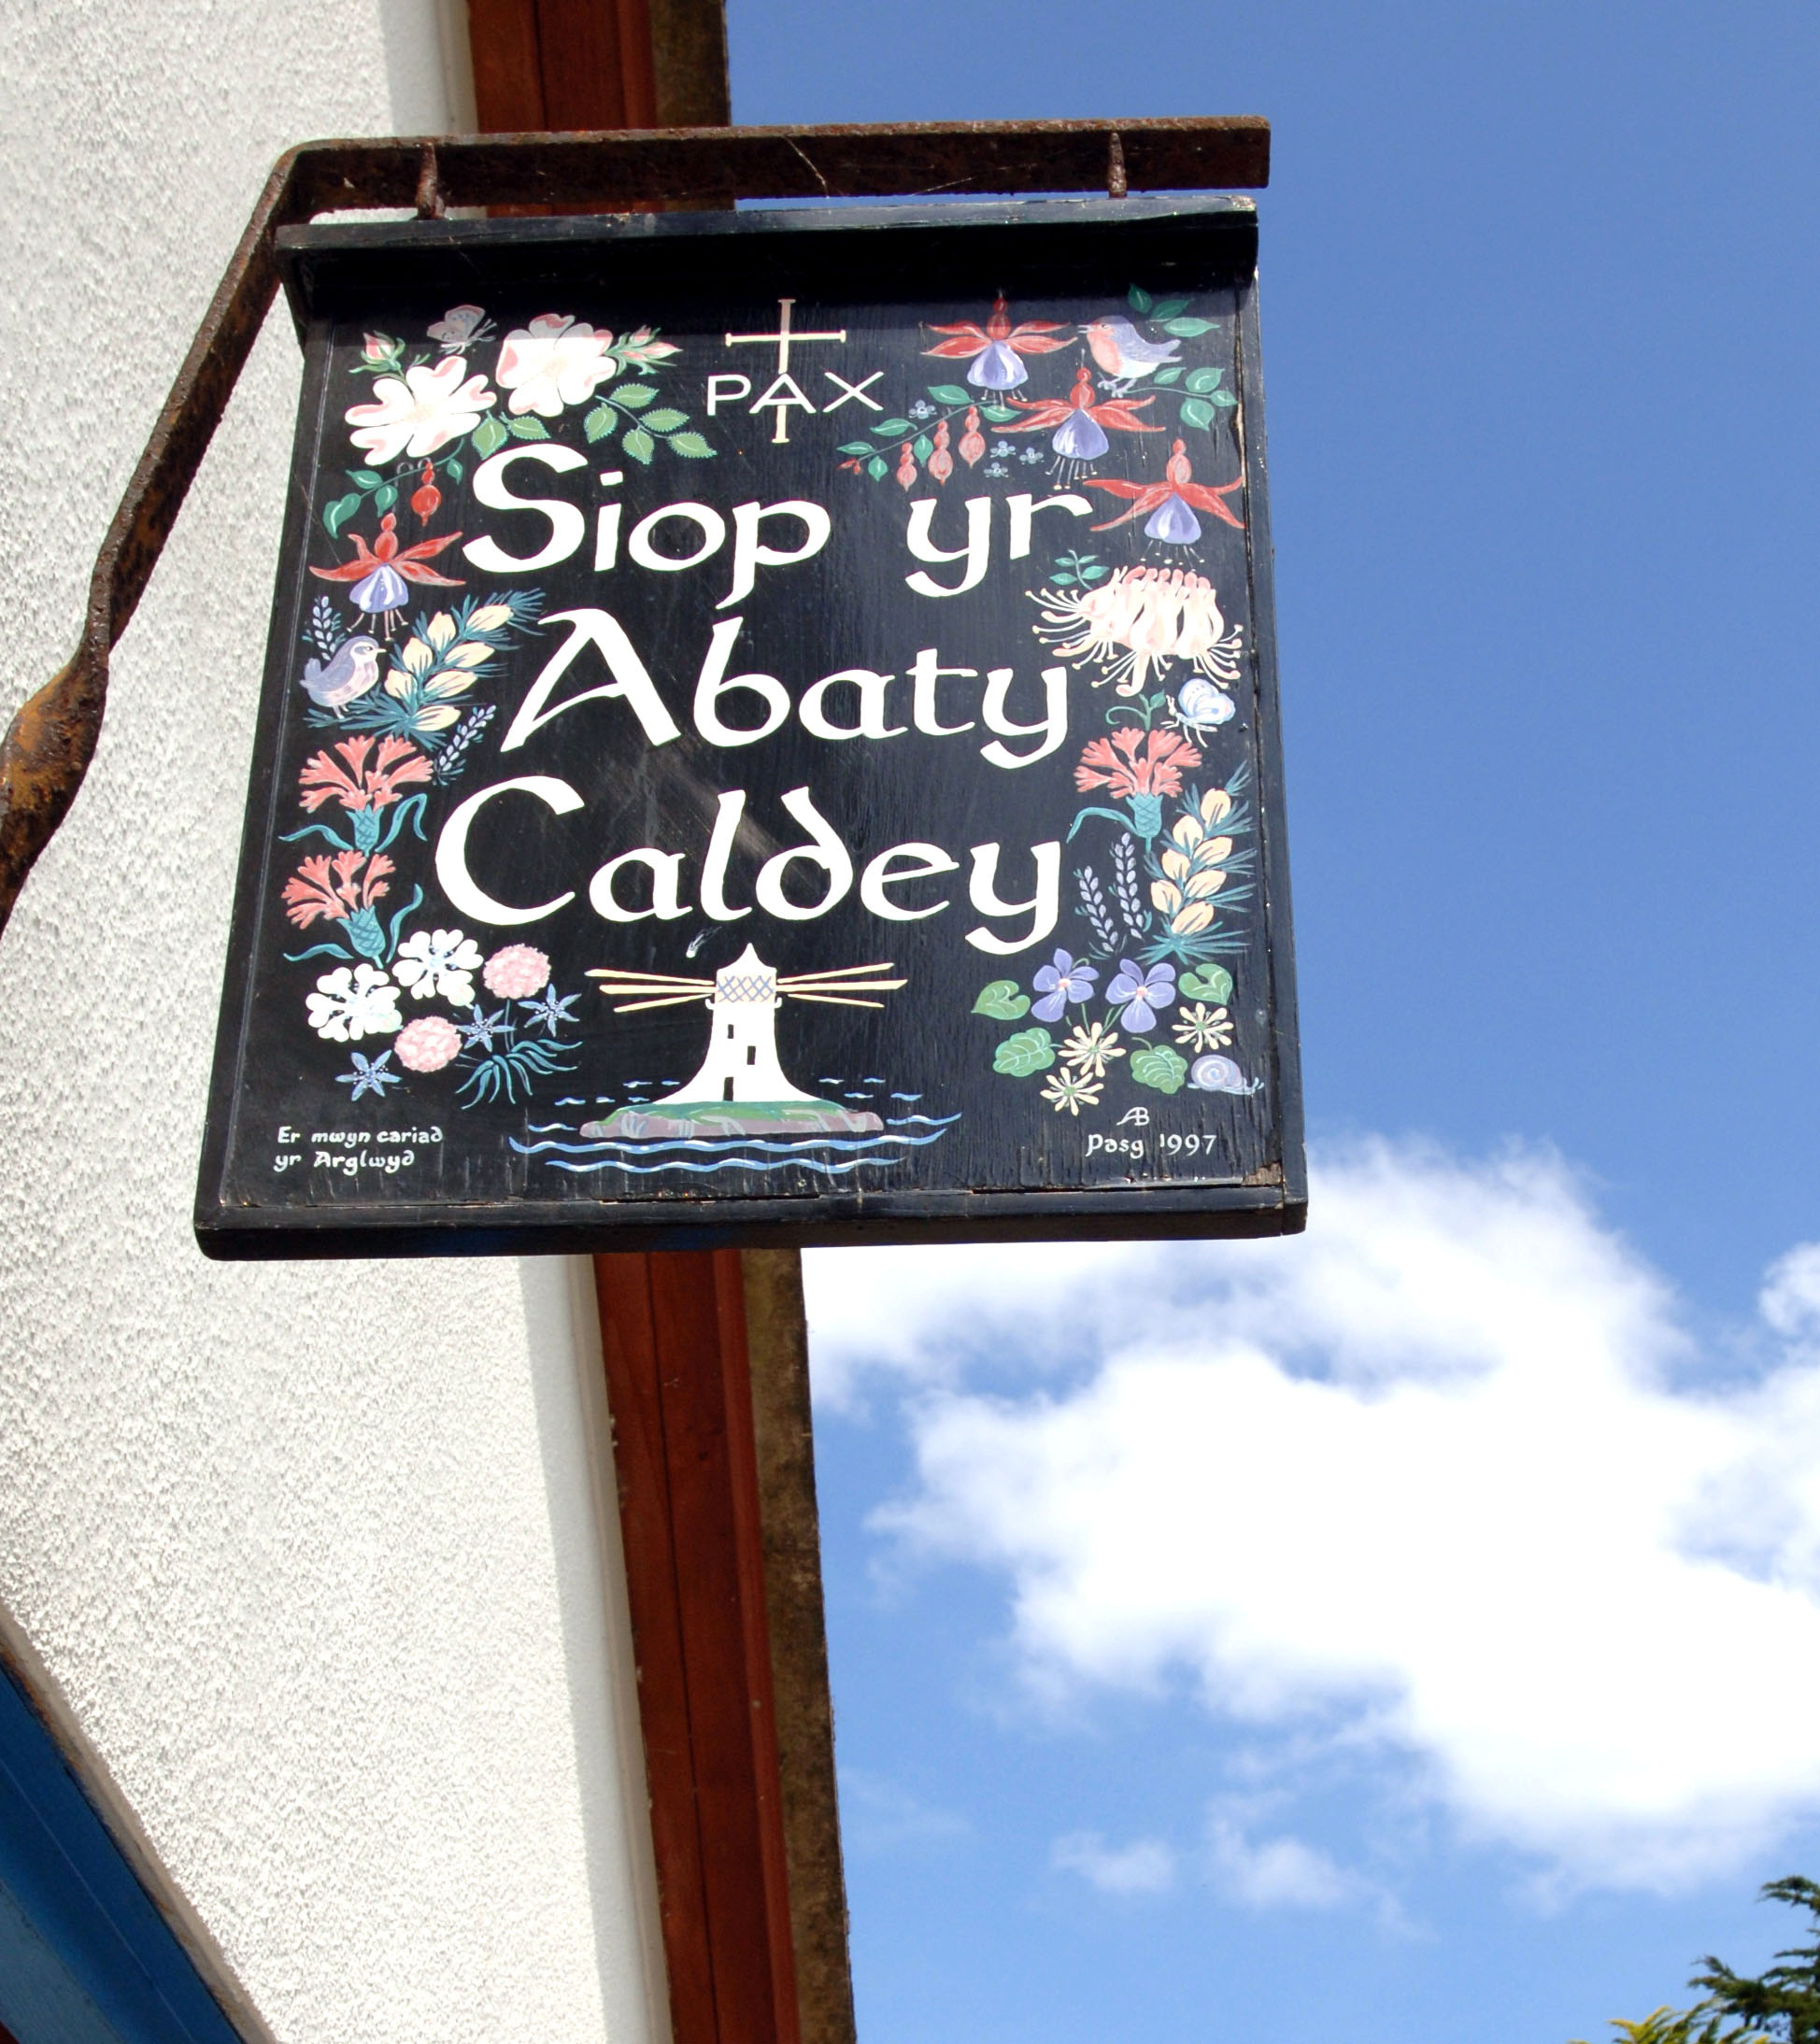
(768,733)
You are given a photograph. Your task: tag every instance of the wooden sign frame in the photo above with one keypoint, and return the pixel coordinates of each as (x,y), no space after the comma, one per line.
(339,277)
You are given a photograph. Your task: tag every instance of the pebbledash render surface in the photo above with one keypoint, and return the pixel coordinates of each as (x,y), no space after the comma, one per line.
(768,733)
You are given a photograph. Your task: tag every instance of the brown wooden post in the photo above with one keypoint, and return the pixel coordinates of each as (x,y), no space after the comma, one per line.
(717,1509)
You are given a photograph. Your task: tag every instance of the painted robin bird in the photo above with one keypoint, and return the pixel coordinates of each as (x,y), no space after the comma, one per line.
(347,677)
(1123,352)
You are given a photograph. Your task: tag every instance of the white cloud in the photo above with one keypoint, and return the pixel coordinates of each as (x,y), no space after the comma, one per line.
(1277,1872)
(1429,1478)
(1146,1866)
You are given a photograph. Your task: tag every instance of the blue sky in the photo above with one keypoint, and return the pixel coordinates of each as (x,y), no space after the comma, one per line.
(1539,298)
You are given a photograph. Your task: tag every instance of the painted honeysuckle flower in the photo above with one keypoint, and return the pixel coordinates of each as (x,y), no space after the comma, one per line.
(555,361)
(439,964)
(1141,992)
(420,412)
(1060,982)
(517,973)
(354,1002)
(456,328)
(428,1043)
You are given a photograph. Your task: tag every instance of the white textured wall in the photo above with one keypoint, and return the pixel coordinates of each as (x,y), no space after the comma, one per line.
(314,1551)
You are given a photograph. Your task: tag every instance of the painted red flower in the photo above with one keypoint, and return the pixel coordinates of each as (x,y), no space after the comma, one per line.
(335,887)
(1169,501)
(357,787)
(997,348)
(1135,763)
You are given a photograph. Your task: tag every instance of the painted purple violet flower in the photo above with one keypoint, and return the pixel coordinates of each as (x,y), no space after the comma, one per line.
(1143,993)
(1062,982)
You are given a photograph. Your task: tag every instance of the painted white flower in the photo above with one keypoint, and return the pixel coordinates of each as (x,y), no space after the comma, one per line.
(455,329)
(354,1002)
(555,361)
(439,964)
(420,412)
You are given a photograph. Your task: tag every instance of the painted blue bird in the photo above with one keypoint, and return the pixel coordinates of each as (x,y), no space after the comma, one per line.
(347,677)
(1123,352)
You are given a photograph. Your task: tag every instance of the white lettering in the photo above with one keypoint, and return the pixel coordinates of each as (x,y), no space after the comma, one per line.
(1023,509)
(727,815)
(452,873)
(600,629)
(924,675)
(712,526)
(1043,907)
(975,553)
(914,862)
(567,527)
(714,682)
(870,687)
(824,850)
(727,389)
(1053,729)
(750,554)
(665,868)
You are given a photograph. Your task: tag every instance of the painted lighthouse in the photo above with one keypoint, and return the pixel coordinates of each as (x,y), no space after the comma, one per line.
(741,1088)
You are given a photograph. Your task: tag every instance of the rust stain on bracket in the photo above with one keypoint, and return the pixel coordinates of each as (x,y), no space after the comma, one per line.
(51,739)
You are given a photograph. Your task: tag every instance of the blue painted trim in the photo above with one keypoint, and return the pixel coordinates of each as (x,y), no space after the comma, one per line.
(84,1953)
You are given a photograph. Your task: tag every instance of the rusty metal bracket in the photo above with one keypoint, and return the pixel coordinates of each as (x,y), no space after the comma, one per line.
(52,738)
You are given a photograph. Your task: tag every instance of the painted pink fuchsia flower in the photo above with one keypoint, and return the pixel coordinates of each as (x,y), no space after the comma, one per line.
(517,973)
(428,1043)
(1172,503)
(555,361)
(997,349)
(420,412)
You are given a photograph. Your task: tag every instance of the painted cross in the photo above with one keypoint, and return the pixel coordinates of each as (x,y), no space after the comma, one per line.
(784,391)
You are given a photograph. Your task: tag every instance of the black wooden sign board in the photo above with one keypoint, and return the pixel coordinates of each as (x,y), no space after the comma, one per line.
(769,733)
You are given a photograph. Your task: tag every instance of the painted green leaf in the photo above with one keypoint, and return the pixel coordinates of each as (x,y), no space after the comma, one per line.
(528,428)
(633,396)
(340,511)
(1208,983)
(363,478)
(877,469)
(489,436)
(384,497)
(1000,415)
(1160,1067)
(1203,380)
(1029,1050)
(600,422)
(665,419)
(949,393)
(1140,301)
(1001,1001)
(1187,329)
(892,429)
(638,444)
(453,470)
(690,444)
(1224,399)
(1094,574)
(1196,412)
(855,446)
(1172,375)
(924,446)
(1167,308)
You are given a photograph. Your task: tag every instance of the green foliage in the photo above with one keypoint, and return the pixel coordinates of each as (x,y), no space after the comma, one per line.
(949,393)
(528,428)
(340,511)
(892,429)
(1783,2003)
(1029,1050)
(1001,1001)
(638,444)
(1208,983)
(1203,380)
(633,396)
(1666,2025)
(489,436)
(1157,1065)
(690,445)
